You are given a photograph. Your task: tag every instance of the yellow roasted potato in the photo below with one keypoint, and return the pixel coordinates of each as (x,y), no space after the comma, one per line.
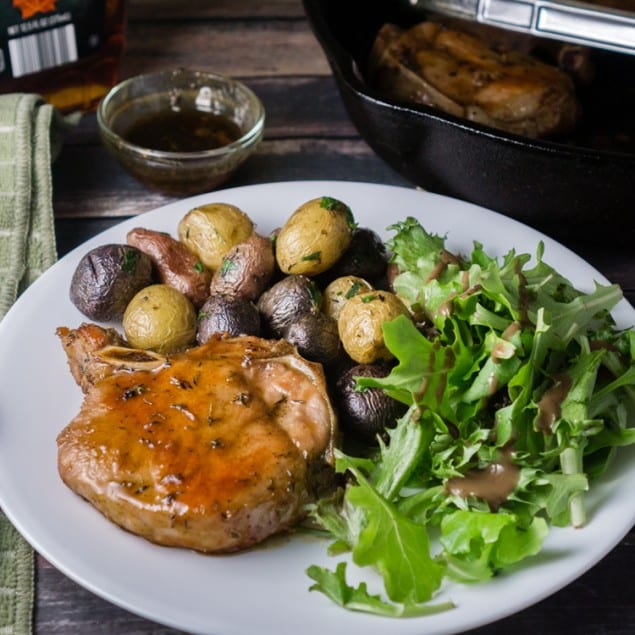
(161,319)
(314,237)
(360,325)
(211,230)
(338,292)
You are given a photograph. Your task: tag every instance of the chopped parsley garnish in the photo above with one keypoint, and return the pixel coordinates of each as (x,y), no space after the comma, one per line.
(314,292)
(352,292)
(335,205)
(226,266)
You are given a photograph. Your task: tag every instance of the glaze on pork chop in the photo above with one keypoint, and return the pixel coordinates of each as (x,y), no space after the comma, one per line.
(213,449)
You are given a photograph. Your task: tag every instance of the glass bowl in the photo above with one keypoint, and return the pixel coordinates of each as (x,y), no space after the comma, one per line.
(180,171)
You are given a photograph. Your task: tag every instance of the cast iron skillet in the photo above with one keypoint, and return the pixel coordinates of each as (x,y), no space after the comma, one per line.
(566,184)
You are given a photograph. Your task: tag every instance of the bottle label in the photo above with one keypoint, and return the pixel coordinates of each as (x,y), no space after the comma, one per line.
(36,35)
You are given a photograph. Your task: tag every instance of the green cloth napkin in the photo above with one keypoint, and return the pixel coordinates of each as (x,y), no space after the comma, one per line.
(27,236)
(30,135)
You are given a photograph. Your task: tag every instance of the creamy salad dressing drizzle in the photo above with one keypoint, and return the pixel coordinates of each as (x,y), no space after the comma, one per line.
(550,403)
(493,484)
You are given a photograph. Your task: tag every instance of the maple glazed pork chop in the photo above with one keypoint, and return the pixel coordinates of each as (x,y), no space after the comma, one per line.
(212,449)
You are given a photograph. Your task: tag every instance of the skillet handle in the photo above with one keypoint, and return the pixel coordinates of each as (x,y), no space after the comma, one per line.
(567,20)
(570,21)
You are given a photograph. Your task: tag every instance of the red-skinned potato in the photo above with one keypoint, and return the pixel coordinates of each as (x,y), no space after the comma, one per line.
(175,264)
(246,269)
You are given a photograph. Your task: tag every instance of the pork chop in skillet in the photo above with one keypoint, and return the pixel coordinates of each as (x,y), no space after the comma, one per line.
(212,449)
(473,76)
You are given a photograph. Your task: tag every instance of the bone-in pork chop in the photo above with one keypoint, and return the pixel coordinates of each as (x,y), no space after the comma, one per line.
(462,74)
(213,449)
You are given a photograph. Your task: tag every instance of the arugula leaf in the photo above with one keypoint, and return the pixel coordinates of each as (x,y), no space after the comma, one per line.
(394,545)
(478,544)
(421,362)
(333,584)
(563,488)
(378,534)
(407,443)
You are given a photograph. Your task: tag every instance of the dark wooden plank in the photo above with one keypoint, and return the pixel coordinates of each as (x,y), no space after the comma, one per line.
(73,232)
(65,607)
(247,49)
(164,10)
(614,260)
(90,183)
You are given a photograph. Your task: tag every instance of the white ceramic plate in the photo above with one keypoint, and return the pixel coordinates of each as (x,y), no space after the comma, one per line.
(265,590)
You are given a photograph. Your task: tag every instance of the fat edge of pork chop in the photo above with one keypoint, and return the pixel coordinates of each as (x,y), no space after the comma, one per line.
(214,449)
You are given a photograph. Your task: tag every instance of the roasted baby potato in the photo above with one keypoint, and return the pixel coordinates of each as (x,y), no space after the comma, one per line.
(246,269)
(224,314)
(176,265)
(211,230)
(161,319)
(360,325)
(315,336)
(340,291)
(366,413)
(106,279)
(366,257)
(314,237)
(286,301)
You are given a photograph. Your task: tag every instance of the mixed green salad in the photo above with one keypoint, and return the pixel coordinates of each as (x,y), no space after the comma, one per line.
(519,390)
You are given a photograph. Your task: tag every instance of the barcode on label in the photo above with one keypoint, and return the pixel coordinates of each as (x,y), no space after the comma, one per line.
(39,51)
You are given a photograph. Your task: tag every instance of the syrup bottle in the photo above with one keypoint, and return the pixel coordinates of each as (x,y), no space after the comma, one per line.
(66,50)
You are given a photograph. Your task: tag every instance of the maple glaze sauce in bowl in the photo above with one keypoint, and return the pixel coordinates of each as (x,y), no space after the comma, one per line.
(181,131)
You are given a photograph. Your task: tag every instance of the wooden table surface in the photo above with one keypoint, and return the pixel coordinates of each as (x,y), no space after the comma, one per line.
(269,45)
